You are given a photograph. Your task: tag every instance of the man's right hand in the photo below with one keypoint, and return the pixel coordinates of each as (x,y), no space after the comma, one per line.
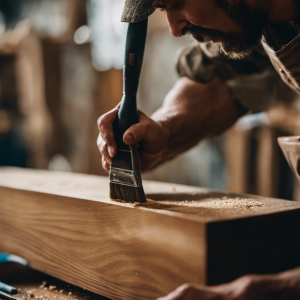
(191,111)
(152,135)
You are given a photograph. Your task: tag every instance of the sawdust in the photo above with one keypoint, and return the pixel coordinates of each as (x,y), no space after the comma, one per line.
(210,203)
(51,294)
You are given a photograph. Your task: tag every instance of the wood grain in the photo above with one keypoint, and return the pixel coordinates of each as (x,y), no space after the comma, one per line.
(65,225)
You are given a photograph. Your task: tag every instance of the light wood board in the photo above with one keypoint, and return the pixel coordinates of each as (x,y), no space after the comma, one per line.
(66,226)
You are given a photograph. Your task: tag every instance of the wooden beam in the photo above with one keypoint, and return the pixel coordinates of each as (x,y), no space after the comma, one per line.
(65,225)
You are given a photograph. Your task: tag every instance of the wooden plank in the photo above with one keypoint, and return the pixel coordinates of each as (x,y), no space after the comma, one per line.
(65,225)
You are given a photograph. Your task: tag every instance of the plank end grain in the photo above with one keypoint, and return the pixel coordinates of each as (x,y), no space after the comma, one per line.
(254,245)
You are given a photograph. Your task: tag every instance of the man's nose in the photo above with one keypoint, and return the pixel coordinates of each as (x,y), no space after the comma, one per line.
(176,22)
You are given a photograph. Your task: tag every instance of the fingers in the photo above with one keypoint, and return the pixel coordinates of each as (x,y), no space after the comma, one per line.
(191,291)
(105,165)
(106,159)
(184,292)
(105,125)
(147,130)
(104,152)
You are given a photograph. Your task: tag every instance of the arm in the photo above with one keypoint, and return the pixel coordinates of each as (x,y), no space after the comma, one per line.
(283,286)
(191,111)
(200,105)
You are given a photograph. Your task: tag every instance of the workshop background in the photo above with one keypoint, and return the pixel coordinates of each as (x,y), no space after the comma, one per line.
(61,68)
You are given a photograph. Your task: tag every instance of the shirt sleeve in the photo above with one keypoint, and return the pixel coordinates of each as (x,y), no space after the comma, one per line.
(253,81)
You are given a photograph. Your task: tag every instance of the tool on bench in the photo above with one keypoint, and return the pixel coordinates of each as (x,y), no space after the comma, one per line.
(6,296)
(125,172)
(5,257)
(6,289)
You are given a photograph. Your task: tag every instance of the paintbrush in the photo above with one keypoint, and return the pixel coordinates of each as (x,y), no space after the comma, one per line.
(125,171)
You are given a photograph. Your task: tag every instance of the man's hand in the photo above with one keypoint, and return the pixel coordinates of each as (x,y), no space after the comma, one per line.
(283,286)
(191,111)
(153,134)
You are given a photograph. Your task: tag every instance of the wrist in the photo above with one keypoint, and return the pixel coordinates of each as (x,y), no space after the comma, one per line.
(166,130)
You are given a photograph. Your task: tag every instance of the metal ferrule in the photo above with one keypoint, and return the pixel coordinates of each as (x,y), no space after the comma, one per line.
(125,177)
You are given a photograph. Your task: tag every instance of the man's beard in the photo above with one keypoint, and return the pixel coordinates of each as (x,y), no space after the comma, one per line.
(234,45)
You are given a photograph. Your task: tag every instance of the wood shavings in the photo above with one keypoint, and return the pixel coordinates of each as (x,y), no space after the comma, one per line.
(211,203)
(30,294)
(236,203)
(51,295)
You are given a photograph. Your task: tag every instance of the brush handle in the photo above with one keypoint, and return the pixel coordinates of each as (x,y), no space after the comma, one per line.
(134,54)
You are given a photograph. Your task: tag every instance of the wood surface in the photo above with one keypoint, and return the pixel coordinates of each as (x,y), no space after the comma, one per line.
(65,225)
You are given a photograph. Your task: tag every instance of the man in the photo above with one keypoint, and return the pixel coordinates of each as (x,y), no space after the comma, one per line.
(213,92)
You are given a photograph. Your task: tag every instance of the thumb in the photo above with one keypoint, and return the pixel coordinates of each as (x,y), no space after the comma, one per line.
(137,132)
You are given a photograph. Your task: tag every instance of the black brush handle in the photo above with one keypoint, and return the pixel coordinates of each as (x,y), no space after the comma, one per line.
(134,54)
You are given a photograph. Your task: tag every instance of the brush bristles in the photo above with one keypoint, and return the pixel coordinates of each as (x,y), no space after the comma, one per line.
(127,193)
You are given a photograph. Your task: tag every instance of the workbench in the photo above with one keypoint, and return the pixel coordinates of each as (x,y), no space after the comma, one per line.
(43,286)
(66,226)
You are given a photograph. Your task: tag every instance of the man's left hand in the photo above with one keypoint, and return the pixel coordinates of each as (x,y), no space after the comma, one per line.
(250,287)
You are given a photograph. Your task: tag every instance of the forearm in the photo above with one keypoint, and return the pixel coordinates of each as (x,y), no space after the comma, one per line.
(193,111)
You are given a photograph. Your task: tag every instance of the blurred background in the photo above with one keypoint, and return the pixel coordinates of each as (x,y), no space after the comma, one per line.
(61,68)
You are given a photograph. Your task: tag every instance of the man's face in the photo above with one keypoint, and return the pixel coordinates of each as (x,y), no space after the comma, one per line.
(237,27)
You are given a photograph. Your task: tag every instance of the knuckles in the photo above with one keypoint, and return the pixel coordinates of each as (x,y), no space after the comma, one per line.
(103,149)
(105,130)
(247,285)
(105,165)
(103,122)
(99,121)
(187,289)
(102,125)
